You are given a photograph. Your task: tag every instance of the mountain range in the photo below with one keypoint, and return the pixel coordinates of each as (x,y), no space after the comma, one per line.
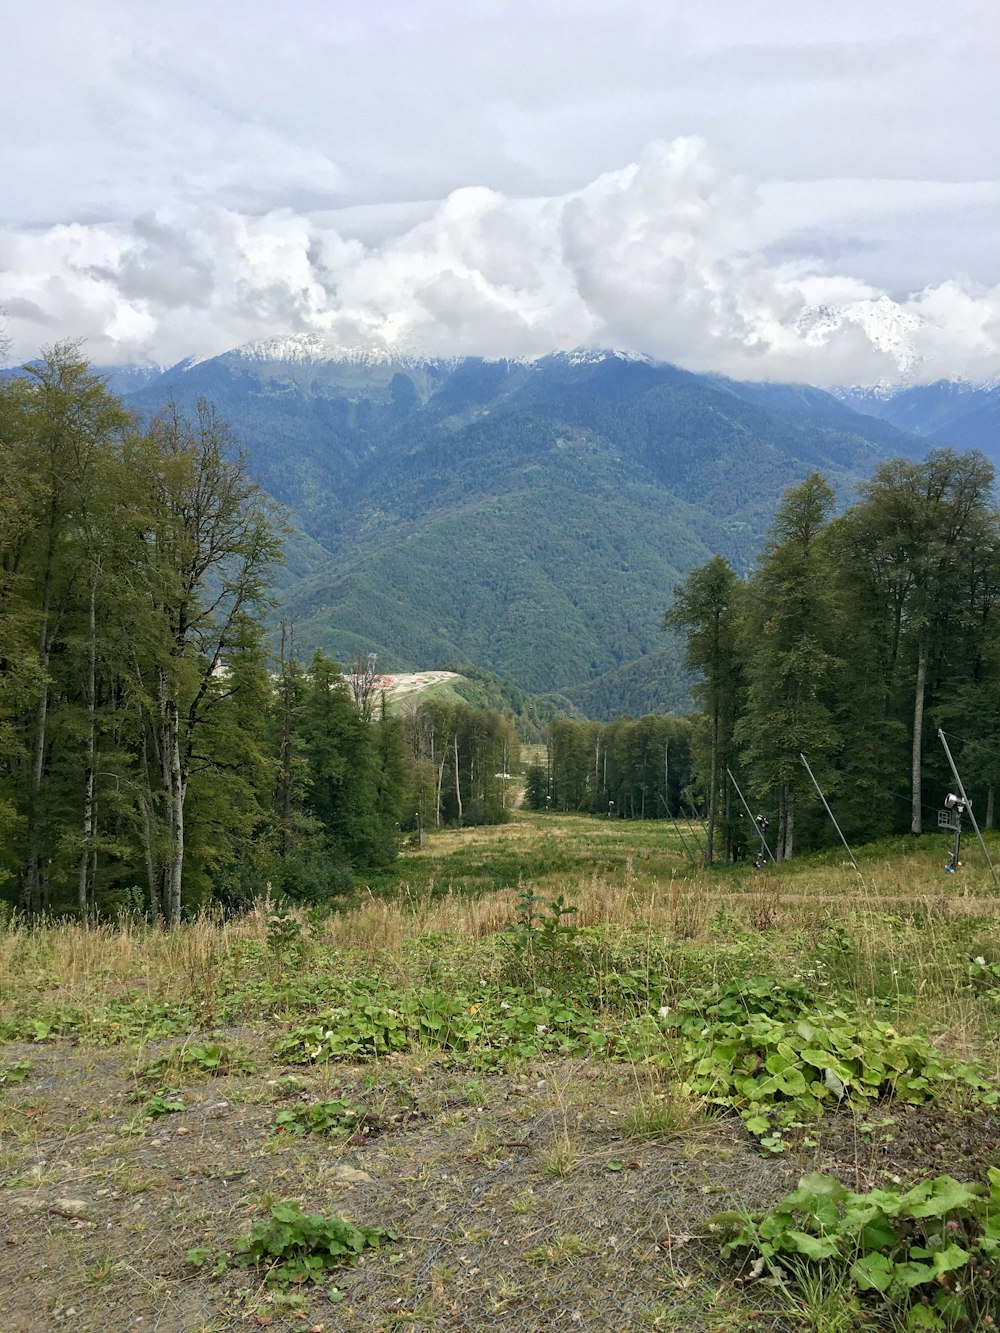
(531,517)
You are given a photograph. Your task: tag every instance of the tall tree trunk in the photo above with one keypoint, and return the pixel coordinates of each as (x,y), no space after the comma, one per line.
(440,781)
(85,894)
(789,822)
(173,785)
(988,821)
(31,885)
(175,802)
(916,812)
(713,781)
(458,785)
(148,827)
(782,817)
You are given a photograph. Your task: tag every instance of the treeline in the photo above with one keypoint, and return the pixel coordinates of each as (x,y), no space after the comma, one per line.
(852,642)
(463,763)
(635,769)
(151,754)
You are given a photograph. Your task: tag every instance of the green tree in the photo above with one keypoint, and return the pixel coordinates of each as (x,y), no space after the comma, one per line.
(706,608)
(61,425)
(212,545)
(918,534)
(792,667)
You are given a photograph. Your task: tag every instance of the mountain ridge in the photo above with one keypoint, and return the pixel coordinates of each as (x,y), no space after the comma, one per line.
(530,516)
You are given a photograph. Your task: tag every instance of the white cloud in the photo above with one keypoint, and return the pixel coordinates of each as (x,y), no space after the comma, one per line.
(670,255)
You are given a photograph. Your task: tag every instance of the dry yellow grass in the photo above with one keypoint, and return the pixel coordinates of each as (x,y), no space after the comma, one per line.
(901,914)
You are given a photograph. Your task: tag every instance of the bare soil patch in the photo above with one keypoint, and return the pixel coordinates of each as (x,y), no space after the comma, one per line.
(519,1199)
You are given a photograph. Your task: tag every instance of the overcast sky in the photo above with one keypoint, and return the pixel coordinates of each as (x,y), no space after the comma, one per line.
(504,177)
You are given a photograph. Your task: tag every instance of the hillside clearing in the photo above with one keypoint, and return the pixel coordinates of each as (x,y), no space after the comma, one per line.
(531,1125)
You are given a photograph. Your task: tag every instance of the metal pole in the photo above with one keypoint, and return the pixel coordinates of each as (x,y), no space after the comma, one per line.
(696,838)
(968,804)
(697,815)
(680,835)
(829,812)
(757,827)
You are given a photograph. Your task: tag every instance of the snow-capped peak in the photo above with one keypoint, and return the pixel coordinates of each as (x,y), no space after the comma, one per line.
(312,348)
(888,327)
(592,356)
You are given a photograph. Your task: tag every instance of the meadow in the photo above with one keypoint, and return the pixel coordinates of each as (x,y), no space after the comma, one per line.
(550,1075)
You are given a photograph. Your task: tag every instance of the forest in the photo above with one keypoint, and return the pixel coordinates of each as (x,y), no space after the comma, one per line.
(155,754)
(854,640)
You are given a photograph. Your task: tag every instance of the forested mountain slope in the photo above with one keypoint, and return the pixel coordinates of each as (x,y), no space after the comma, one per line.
(530,517)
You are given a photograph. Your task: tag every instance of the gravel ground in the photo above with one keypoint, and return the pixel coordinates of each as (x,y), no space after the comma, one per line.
(518,1199)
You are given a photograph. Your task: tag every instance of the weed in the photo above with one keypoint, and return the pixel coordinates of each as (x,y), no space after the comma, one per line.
(205,1059)
(781,1069)
(562,1155)
(103,1270)
(294,1247)
(559,1250)
(167,1101)
(661,1116)
(932,1254)
(334,1117)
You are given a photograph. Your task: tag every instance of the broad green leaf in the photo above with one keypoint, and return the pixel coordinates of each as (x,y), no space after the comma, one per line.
(909,1275)
(873,1272)
(813,1247)
(946,1195)
(815,1185)
(953,1256)
(922,1316)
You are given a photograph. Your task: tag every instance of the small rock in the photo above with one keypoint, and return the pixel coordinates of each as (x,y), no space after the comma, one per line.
(181,1132)
(350,1175)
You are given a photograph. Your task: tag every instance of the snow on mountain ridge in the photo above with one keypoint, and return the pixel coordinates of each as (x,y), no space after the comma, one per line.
(316,348)
(312,348)
(592,356)
(887,326)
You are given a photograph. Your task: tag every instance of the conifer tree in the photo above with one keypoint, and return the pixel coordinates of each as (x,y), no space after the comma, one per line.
(919,529)
(791,660)
(706,606)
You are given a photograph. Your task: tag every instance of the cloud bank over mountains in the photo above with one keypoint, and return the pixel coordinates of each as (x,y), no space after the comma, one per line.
(671,255)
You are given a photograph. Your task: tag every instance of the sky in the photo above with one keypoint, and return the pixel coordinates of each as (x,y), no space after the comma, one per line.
(780,190)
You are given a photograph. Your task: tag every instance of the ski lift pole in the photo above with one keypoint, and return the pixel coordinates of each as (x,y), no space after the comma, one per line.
(696,837)
(696,814)
(687,853)
(968,803)
(757,827)
(819,792)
